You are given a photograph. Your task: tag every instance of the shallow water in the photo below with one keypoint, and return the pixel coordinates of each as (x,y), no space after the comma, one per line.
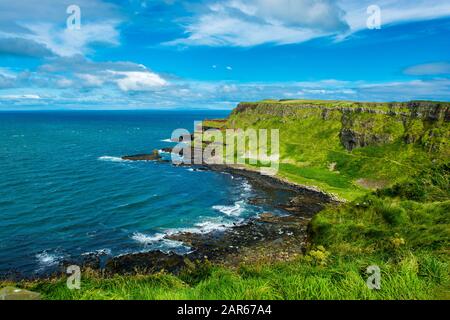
(65,192)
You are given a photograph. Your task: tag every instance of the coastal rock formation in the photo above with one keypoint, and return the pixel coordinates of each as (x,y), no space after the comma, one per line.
(351,139)
(359,124)
(144,157)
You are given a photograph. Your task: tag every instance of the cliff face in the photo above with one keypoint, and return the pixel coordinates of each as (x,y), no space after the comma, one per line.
(366,124)
(342,146)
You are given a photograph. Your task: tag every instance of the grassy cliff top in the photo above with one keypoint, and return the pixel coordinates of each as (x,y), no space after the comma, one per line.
(406,107)
(350,148)
(348,103)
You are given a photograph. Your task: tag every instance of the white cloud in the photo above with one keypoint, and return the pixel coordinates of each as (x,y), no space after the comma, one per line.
(145,94)
(254,22)
(21,97)
(78,73)
(436,68)
(70,42)
(319,15)
(394,12)
(35,28)
(64,83)
(139,81)
(91,80)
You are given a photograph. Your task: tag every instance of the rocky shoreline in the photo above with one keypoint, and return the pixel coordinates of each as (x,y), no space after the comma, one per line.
(268,237)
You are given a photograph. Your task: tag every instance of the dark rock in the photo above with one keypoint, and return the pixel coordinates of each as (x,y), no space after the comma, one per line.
(144,157)
(351,139)
(91,261)
(256,201)
(268,217)
(149,262)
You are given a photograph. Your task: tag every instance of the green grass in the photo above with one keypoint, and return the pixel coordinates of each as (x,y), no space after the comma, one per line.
(411,276)
(409,240)
(310,141)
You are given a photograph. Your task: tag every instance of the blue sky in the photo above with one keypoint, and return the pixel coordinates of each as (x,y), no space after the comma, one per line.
(157,54)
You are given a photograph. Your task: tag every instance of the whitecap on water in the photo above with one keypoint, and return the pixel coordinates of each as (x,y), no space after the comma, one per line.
(145,239)
(111,159)
(158,241)
(46,259)
(99,252)
(234,210)
(246,186)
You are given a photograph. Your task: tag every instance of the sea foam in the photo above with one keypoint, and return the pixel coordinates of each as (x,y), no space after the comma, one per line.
(111,159)
(46,259)
(234,210)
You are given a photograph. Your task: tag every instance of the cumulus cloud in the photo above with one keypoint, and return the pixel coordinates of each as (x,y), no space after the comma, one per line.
(319,15)
(90,79)
(78,72)
(81,64)
(7,81)
(43,27)
(394,12)
(23,47)
(254,22)
(138,80)
(69,42)
(147,91)
(427,69)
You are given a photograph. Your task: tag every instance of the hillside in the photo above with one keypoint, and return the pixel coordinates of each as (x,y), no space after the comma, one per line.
(348,147)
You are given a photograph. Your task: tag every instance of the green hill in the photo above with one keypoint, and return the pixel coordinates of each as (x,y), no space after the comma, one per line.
(349,147)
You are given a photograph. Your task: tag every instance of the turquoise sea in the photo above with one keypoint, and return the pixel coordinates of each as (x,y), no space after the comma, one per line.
(65,192)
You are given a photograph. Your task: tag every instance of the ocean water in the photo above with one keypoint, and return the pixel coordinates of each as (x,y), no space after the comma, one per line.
(65,192)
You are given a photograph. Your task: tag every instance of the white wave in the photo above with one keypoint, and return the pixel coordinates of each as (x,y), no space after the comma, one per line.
(158,241)
(234,210)
(210,226)
(145,239)
(167,140)
(111,159)
(207,226)
(46,259)
(99,252)
(247,186)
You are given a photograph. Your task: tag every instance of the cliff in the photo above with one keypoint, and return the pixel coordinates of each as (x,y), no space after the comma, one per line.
(347,147)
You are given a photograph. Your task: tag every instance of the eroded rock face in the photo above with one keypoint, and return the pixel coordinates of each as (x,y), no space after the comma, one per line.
(351,139)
